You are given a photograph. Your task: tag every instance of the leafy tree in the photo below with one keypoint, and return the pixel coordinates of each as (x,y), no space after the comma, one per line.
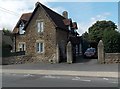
(111,41)
(7,32)
(97,29)
(105,30)
(85,36)
(6,42)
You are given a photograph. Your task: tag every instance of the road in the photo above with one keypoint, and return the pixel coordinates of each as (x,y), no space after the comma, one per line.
(64,66)
(30,80)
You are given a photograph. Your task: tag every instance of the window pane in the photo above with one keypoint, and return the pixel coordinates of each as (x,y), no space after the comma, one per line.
(21,31)
(38,26)
(41,26)
(41,47)
(37,47)
(23,47)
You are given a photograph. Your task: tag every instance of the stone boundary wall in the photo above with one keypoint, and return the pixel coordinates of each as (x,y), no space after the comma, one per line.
(112,58)
(18,60)
(107,58)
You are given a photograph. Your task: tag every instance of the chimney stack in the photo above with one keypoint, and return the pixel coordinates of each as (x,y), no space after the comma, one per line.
(65,14)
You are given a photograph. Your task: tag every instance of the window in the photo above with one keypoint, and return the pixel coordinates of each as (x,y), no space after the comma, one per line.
(40,26)
(22,46)
(69,27)
(21,31)
(39,47)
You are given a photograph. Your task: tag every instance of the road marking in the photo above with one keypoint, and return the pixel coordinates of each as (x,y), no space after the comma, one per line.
(113,82)
(49,76)
(105,78)
(28,75)
(81,80)
(75,79)
(78,79)
(86,80)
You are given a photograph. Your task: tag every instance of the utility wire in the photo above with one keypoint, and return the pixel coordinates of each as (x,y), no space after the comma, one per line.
(8,11)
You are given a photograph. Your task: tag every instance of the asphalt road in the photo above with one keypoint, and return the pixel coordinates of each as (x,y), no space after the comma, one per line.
(28,80)
(65,66)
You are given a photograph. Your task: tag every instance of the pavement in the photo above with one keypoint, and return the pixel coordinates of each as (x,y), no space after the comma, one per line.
(76,69)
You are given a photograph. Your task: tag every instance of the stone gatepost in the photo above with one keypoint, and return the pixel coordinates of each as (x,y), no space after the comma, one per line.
(57,54)
(101,56)
(69,53)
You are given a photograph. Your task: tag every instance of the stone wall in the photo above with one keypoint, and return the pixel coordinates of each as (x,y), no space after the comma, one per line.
(19,60)
(107,57)
(61,40)
(112,57)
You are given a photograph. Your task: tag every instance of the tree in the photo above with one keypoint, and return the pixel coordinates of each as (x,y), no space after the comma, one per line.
(96,30)
(105,30)
(111,41)
(7,32)
(7,38)
(85,36)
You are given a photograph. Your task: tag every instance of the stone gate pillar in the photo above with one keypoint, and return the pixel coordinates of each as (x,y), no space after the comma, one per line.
(69,53)
(101,56)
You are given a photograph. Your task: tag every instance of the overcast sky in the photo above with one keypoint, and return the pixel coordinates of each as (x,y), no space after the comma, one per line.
(84,12)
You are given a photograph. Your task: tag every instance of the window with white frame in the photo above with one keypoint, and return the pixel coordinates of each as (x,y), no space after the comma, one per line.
(40,47)
(40,26)
(21,31)
(22,46)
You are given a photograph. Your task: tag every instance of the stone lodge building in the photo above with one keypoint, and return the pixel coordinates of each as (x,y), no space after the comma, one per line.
(41,33)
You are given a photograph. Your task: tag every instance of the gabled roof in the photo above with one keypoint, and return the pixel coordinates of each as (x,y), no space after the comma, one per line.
(25,18)
(55,17)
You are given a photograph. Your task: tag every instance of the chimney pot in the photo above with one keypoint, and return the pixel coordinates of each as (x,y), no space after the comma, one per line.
(65,14)
(36,4)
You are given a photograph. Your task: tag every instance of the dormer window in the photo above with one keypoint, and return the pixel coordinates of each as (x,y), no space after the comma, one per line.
(21,26)
(69,27)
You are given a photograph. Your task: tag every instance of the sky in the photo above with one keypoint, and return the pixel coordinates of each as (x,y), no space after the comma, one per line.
(84,12)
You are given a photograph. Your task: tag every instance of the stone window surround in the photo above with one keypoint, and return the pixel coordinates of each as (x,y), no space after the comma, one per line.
(24,46)
(40,41)
(41,20)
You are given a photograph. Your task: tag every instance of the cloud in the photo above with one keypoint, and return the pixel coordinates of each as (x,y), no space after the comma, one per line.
(83,26)
(99,17)
(11,10)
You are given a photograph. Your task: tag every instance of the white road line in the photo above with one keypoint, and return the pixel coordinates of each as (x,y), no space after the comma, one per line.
(28,75)
(78,79)
(86,80)
(113,82)
(75,79)
(49,76)
(105,78)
